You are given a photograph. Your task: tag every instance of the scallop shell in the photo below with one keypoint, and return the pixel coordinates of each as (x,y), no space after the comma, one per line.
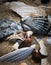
(39,25)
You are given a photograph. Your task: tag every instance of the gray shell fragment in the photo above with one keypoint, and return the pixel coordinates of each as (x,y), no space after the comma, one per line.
(8,27)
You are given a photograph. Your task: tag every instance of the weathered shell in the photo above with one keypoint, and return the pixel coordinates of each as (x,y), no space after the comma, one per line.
(8,27)
(25,10)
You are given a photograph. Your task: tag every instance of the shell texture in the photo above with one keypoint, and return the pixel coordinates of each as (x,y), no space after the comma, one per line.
(8,27)
(18,54)
(39,25)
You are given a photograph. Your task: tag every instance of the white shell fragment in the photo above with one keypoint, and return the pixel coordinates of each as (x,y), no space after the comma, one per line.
(29,33)
(16,45)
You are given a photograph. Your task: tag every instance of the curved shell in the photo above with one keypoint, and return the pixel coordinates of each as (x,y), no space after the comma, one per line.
(18,54)
(39,25)
(25,10)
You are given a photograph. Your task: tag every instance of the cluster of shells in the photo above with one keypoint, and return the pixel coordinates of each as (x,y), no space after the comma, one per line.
(17,11)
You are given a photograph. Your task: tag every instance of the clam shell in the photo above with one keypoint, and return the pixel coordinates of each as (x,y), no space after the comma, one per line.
(18,54)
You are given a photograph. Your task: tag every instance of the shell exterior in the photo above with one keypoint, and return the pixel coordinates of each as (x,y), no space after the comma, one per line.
(39,25)
(18,54)
(8,27)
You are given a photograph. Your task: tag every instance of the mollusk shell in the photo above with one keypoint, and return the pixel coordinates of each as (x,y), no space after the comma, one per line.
(18,54)
(38,25)
(8,27)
